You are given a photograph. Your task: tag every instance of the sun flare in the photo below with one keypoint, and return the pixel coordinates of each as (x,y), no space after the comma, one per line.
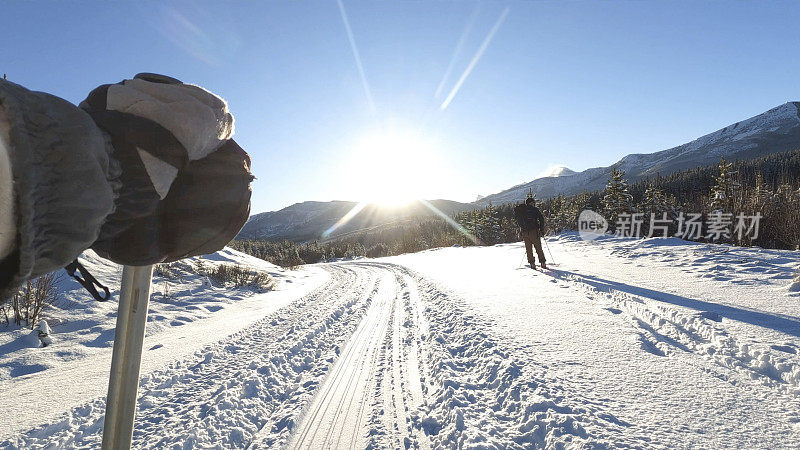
(394,168)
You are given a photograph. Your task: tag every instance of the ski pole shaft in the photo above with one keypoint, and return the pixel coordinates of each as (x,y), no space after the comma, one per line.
(548,251)
(126,359)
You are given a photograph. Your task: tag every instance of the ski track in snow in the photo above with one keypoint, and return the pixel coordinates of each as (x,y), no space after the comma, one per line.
(382,357)
(222,396)
(665,330)
(336,415)
(376,358)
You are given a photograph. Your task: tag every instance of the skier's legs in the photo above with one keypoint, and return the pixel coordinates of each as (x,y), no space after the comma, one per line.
(537,243)
(8,226)
(526,236)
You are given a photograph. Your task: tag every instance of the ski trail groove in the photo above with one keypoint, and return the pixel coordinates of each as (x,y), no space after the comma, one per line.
(399,393)
(378,357)
(257,379)
(338,408)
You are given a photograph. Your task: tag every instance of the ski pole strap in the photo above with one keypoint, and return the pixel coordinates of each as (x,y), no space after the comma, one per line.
(87,280)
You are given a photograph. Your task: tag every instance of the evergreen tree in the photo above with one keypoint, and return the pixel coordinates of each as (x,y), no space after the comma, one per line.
(761,192)
(722,193)
(510,230)
(654,200)
(617,199)
(492,231)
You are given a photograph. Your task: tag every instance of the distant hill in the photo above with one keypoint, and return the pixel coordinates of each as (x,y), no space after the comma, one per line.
(307,221)
(777,130)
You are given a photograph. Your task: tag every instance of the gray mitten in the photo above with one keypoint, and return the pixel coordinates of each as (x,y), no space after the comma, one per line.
(144,172)
(185,183)
(63,180)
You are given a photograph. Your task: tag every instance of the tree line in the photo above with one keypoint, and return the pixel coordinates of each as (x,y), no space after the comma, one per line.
(767,185)
(486,226)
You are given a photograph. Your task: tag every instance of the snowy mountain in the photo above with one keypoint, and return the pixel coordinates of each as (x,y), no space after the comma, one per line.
(308,220)
(559,171)
(776,130)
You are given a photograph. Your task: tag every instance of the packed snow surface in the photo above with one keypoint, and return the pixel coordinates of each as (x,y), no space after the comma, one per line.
(623,343)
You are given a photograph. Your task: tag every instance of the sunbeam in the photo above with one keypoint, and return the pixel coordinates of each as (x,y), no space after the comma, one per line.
(475,59)
(361,205)
(451,222)
(346,218)
(357,56)
(457,51)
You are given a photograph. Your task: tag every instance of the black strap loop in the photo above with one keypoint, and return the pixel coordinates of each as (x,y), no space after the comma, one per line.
(87,280)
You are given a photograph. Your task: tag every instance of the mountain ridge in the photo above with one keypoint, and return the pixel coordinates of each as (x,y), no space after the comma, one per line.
(772,131)
(307,221)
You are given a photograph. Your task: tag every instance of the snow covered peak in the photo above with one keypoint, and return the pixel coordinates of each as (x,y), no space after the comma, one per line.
(773,131)
(560,171)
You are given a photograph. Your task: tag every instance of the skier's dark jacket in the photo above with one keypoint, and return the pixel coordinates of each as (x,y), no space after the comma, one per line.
(529,217)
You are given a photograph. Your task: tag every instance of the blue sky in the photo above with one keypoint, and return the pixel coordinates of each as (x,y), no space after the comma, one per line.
(579,84)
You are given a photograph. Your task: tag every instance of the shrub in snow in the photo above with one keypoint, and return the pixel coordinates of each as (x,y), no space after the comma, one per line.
(200,266)
(30,300)
(241,276)
(167,270)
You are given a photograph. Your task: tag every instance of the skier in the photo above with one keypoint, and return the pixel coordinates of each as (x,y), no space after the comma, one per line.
(144,171)
(531,223)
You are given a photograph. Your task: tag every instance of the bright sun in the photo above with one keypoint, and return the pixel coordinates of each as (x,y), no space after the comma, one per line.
(394,168)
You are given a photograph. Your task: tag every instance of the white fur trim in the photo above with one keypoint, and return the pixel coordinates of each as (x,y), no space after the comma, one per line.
(161,173)
(197,118)
(8,220)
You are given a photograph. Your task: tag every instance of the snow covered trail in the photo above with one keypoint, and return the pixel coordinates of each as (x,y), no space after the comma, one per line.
(684,344)
(336,415)
(257,379)
(419,372)
(462,348)
(374,389)
(377,357)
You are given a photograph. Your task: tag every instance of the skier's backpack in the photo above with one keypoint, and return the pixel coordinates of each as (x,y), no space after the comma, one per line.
(521,215)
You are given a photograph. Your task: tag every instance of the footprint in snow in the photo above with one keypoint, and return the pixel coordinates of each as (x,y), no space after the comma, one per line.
(784,348)
(650,347)
(711,316)
(613,419)
(613,310)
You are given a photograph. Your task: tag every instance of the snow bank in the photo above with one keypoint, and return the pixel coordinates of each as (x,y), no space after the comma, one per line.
(81,326)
